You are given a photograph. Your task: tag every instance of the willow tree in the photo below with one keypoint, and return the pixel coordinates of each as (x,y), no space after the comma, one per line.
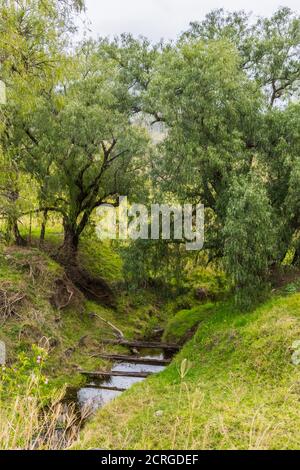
(32,36)
(210,112)
(81,141)
(268,47)
(227,93)
(249,235)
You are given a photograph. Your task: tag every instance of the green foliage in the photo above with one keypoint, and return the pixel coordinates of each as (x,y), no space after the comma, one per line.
(148,261)
(33,36)
(211,111)
(268,47)
(78,129)
(79,144)
(226,95)
(26,371)
(292,287)
(213,282)
(249,240)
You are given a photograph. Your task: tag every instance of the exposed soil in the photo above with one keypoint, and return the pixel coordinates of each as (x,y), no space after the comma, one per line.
(284,275)
(93,288)
(64,292)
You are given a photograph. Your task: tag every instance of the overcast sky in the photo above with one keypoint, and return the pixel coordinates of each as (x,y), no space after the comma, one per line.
(158,19)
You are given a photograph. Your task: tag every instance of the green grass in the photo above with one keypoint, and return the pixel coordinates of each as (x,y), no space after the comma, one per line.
(7,271)
(233,386)
(74,335)
(99,258)
(239,391)
(184,322)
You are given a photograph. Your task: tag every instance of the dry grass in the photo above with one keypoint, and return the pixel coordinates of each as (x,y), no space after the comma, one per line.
(9,301)
(27,424)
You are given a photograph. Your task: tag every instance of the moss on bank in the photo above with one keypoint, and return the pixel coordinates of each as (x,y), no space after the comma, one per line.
(183,324)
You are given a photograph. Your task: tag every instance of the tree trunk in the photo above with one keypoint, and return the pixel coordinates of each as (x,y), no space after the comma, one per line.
(69,248)
(20,241)
(296,258)
(43,227)
(30,228)
(93,288)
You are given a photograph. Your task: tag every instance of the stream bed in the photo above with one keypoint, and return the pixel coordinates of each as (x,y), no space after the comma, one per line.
(96,392)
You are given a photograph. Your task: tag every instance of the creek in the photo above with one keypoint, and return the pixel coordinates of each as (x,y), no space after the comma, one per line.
(100,390)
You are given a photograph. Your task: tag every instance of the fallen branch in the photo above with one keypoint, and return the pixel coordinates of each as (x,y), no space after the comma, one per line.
(119,333)
(142,344)
(115,373)
(133,359)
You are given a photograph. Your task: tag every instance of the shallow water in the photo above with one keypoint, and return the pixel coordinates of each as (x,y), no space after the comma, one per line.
(94,397)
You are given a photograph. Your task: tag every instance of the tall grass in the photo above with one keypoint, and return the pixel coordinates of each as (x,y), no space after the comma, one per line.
(28,424)
(33,416)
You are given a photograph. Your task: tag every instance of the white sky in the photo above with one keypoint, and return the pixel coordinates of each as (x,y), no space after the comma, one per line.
(158,19)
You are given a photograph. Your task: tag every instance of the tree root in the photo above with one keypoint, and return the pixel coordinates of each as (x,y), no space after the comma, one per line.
(8,302)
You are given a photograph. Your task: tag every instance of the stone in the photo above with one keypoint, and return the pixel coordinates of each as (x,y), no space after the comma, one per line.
(2,93)
(2,353)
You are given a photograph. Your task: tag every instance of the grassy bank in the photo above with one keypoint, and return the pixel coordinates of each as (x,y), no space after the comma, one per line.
(233,386)
(40,305)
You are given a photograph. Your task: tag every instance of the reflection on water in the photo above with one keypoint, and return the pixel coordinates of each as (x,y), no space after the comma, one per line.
(94,396)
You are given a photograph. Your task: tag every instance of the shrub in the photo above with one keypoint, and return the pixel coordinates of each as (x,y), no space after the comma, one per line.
(32,415)
(249,240)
